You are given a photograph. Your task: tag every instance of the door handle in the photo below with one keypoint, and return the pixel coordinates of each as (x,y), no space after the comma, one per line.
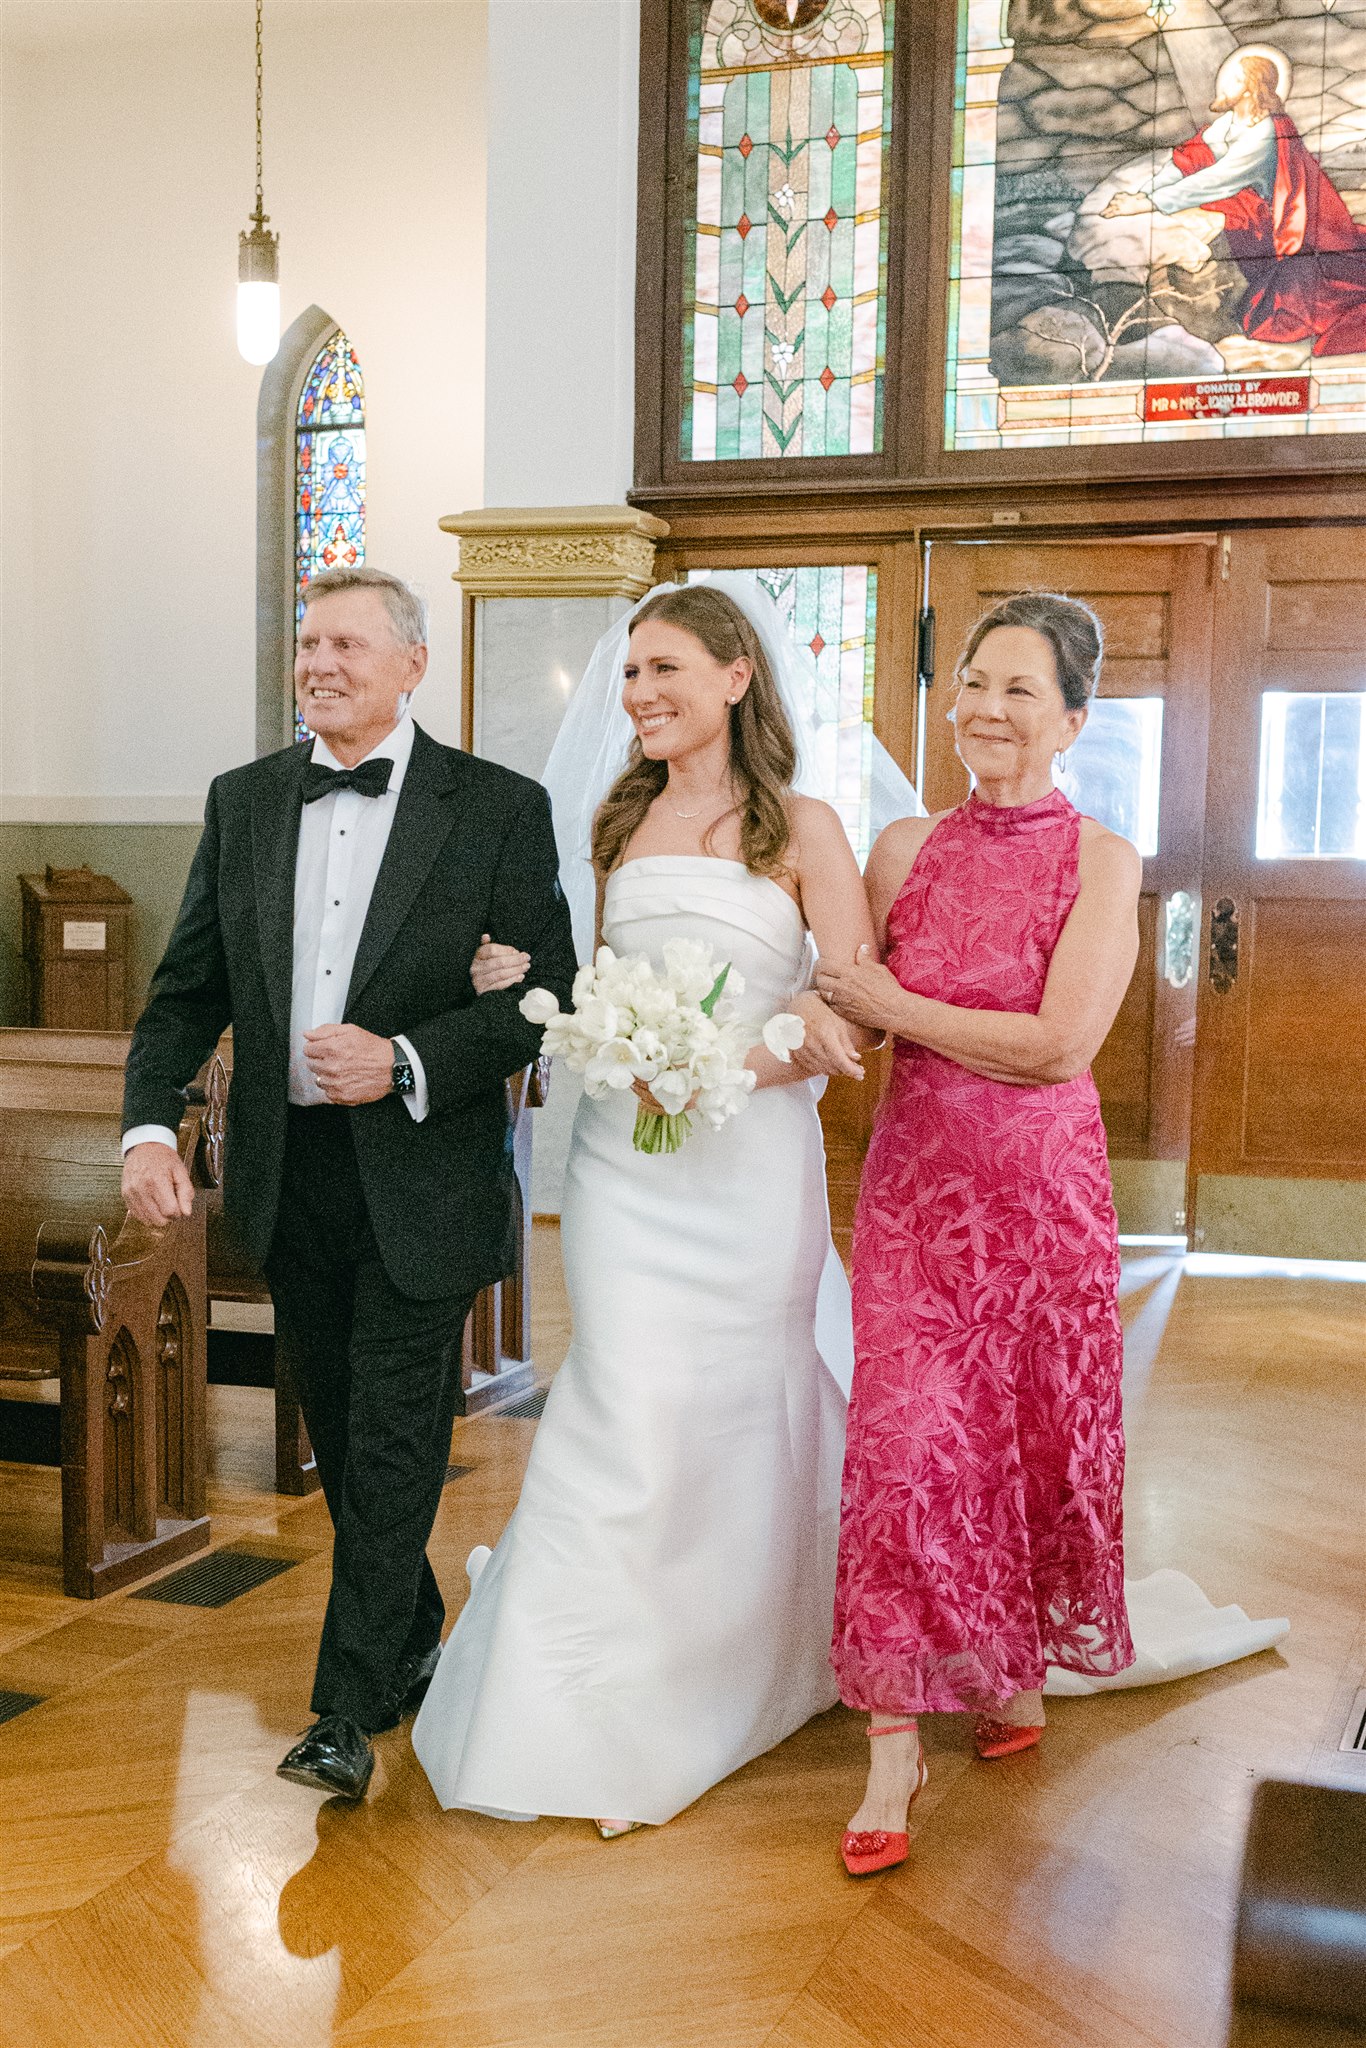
(1178,939)
(1223,946)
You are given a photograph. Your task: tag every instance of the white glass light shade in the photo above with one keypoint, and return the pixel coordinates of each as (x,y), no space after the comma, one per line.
(258,321)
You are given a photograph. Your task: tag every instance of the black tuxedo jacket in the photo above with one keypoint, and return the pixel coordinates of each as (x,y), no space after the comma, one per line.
(471,850)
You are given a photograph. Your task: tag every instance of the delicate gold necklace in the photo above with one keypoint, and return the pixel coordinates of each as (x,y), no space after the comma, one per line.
(701,811)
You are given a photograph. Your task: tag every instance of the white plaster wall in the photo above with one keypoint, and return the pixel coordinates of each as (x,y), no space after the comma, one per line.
(559,424)
(562,99)
(127,663)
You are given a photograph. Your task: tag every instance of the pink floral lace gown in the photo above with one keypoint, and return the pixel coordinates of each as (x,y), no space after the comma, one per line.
(981,1531)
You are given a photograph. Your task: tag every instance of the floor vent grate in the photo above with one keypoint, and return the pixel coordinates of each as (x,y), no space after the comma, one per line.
(456,1472)
(12,1704)
(214,1581)
(529,1409)
(1354,1735)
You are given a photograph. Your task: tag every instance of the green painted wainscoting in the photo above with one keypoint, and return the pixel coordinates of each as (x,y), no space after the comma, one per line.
(150,861)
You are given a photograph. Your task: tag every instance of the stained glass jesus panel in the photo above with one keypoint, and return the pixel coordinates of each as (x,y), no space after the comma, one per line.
(1159,221)
(785,254)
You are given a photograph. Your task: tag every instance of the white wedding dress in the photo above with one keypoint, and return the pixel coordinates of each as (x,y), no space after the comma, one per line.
(658,1610)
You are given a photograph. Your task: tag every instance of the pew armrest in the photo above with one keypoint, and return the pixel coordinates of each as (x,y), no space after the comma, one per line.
(204,1124)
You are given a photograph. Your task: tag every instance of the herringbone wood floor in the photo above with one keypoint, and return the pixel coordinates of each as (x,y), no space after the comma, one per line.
(160,1888)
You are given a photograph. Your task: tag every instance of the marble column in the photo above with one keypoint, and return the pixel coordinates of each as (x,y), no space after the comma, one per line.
(540,587)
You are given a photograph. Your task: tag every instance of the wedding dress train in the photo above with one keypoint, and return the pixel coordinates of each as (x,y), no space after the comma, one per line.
(657,1612)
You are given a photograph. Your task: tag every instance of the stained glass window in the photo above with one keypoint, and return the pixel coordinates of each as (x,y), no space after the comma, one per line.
(1159,222)
(329,471)
(831,613)
(785,255)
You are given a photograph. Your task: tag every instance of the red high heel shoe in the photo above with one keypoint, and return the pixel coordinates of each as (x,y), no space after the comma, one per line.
(1001,1738)
(871,1849)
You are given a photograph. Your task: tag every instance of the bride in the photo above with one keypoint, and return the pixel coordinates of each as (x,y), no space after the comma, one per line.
(657,1612)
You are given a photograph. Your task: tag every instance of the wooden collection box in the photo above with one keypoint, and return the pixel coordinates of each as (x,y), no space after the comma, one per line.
(75,944)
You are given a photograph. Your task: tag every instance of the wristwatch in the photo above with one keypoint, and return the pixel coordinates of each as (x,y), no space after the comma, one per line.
(403,1080)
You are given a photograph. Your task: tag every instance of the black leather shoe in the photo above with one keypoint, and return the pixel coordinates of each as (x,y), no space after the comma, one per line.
(335,1756)
(415,1674)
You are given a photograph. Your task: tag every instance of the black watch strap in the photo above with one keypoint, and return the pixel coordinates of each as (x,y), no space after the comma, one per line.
(403,1080)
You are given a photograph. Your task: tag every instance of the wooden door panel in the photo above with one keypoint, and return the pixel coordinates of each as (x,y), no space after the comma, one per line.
(1279,1058)
(1137,626)
(1124,1067)
(1304,1106)
(1154,604)
(1313,617)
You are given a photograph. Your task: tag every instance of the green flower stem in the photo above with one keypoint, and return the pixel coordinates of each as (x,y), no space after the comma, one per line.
(656,1133)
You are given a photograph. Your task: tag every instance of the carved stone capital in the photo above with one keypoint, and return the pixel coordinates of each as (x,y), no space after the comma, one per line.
(556,551)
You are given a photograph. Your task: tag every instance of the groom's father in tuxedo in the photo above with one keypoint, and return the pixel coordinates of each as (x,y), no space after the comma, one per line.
(338,896)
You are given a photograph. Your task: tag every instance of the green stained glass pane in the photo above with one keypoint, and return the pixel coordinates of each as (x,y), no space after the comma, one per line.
(786,228)
(831,612)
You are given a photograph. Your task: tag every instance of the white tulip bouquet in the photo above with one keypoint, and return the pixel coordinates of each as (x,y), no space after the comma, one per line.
(680,1031)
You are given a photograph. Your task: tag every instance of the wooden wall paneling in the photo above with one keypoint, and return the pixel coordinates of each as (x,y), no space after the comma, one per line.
(1279,1050)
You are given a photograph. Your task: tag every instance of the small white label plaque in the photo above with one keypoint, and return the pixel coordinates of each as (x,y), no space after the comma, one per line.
(83,937)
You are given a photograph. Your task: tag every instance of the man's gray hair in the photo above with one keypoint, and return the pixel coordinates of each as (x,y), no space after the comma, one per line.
(405,608)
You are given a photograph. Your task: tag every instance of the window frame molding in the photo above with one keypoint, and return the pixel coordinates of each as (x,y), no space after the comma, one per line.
(277,407)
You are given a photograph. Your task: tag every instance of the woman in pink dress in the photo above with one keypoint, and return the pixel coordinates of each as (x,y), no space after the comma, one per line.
(981,1534)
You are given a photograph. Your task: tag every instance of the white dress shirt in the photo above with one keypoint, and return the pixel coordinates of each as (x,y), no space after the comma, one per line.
(342,838)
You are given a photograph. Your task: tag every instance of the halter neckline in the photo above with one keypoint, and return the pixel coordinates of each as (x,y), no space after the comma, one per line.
(1017,817)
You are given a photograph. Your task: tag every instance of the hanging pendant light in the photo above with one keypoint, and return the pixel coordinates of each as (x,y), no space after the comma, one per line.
(258,261)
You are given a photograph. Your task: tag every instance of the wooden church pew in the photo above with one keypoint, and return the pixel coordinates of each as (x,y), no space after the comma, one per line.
(1299,1958)
(85,1069)
(496,1361)
(102,1331)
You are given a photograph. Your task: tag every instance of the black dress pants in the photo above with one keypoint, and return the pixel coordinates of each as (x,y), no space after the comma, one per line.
(378,1379)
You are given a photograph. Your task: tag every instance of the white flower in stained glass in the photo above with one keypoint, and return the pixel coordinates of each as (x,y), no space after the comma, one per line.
(785,199)
(781,353)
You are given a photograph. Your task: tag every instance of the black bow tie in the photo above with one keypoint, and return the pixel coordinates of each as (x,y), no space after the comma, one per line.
(370,779)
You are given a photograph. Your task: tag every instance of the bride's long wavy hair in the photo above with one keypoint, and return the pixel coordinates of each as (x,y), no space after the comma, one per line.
(763,753)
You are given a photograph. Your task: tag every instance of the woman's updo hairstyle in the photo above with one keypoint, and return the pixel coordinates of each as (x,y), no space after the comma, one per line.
(763,752)
(1071,629)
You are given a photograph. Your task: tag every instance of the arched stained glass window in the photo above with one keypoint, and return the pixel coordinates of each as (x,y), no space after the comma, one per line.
(329,471)
(785,318)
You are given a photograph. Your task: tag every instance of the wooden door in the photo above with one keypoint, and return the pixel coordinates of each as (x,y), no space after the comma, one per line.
(1279,1141)
(1145,765)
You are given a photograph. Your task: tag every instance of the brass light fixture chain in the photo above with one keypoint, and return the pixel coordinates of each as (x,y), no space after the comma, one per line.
(258,249)
(259,198)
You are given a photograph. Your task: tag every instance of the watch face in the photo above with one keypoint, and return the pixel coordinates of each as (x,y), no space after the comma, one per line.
(405,1081)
